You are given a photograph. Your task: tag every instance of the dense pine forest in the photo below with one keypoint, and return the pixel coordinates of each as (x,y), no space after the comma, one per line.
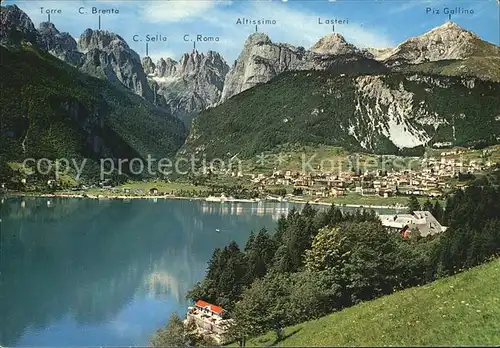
(319,262)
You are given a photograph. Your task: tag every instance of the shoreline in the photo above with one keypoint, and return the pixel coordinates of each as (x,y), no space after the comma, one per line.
(171,197)
(96,197)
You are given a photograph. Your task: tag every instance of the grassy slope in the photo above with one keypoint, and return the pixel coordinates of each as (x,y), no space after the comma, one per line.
(459,310)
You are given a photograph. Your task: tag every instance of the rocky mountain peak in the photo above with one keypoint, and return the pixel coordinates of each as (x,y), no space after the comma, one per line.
(378,53)
(448,41)
(213,55)
(108,55)
(15,25)
(333,44)
(148,65)
(193,63)
(190,62)
(449,31)
(447,26)
(104,40)
(258,39)
(61,45)
(166,67)
(261,60)
(48,28)
(191,84)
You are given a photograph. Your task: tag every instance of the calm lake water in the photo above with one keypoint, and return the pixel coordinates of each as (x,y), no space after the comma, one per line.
(80,272)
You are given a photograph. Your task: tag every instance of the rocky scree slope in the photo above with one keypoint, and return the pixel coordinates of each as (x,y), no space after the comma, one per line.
(392,113)
(190,85)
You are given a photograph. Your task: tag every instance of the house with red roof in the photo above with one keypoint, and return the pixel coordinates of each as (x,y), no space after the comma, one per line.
(209,319)
(209,308)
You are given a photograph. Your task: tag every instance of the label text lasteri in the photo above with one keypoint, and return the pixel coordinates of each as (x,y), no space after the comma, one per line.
(332,21)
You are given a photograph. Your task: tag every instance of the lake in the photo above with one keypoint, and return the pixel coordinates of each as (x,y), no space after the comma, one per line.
(82,272)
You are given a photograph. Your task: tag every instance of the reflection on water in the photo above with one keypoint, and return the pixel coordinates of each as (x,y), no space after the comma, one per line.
(108,272)
(274,210)
(75,270)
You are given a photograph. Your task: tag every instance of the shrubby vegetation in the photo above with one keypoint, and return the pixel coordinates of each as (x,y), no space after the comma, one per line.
(176,334)
(454,311)
(486,67)
(317,262)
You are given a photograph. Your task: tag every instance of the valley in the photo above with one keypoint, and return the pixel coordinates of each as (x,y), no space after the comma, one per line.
(329,104)
(209,173)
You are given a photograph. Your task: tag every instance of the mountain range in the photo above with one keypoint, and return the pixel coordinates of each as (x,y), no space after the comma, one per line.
(51,109)
(392,113)
(378,100)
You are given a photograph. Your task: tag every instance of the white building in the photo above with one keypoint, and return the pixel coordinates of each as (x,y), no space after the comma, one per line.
(209,320)
(423,221)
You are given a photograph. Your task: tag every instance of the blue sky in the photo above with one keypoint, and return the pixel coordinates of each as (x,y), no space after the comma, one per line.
(374,23)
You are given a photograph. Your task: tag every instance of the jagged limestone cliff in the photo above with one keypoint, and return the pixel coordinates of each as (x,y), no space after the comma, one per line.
(190,85)
(381,113)
(61,45)
(261,60)
(108,54)
(53,110)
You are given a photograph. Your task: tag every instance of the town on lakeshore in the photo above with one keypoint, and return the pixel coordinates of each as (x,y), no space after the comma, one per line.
(379,184)
(198,173)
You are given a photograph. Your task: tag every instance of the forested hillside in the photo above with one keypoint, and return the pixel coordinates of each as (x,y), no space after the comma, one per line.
(391,113)
(51,110)
(316,263)
(459,310)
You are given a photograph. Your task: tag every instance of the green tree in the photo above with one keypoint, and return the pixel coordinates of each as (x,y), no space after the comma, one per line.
(207,289)
(327,251)
(232,277)
(313,294)
(361,255)
(308,211)
(250,240)
(225,278)
(282,262)
(413,204)
(259,251)
(428,206)
(473,233)
(299,235)
(172,335)
(438,212)
(335,216)
(263,307)
(280,229)
(266,246)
